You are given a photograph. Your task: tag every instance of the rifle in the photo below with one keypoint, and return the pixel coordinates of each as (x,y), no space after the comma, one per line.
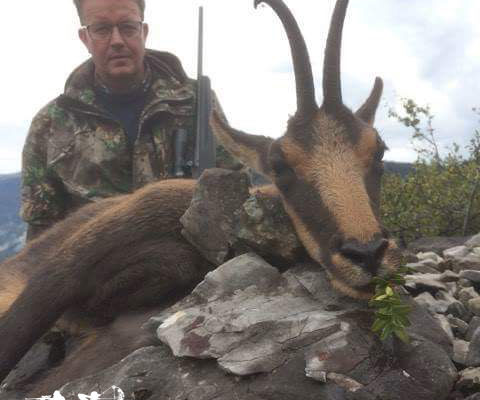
(205,145)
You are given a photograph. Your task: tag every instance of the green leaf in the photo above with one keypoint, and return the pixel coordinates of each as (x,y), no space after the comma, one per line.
(402,335)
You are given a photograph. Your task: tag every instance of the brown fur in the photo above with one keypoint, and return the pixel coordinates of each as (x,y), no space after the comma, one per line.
(126,254)
(117,255)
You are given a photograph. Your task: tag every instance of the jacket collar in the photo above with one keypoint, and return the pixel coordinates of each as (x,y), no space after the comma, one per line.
(164,68)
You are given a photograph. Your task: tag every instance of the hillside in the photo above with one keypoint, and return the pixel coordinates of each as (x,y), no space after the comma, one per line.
(401,168)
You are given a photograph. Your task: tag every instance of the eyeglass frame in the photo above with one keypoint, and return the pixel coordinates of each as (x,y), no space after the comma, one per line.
(112,27)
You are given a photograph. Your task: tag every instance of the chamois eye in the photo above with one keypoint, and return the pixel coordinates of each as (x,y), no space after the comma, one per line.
(379,154)
(279,167)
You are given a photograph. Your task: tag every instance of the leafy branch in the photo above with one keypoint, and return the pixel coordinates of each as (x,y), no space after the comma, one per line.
(391,315)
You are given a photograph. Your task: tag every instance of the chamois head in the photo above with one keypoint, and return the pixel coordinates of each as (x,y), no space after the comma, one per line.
(327,167)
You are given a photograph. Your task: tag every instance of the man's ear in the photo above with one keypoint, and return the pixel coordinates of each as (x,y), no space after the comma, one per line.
(145,31)
(82,34)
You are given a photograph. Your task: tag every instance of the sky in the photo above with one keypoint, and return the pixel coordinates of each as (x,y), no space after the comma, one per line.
(427,50)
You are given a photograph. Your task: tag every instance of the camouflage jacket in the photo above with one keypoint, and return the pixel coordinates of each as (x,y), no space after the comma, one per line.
(75,153)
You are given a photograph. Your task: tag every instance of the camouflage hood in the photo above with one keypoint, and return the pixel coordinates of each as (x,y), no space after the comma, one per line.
(162,66)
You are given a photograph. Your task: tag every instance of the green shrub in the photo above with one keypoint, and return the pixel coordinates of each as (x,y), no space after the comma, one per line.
(440,196)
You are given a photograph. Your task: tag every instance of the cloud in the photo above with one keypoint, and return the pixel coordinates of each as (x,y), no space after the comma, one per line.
(428,50)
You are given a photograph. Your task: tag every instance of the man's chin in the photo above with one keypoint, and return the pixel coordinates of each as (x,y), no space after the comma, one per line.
(121,72)
(121,77)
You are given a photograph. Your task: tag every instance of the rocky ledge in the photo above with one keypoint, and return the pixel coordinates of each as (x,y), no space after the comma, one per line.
(266,325)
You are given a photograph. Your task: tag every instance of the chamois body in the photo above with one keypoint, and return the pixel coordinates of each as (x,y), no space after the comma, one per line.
(126,253)
(109,258)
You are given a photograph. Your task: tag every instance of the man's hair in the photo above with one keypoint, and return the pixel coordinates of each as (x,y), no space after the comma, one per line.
(78,4)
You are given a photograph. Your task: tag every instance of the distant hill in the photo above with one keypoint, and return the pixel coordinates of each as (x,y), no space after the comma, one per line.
(12,229)
(401,168)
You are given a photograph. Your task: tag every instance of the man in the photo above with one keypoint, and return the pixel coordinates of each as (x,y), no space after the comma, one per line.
(113,129)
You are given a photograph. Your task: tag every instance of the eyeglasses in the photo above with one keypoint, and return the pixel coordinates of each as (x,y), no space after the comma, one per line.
(102,32)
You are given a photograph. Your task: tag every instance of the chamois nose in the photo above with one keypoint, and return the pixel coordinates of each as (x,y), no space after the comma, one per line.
(366,255)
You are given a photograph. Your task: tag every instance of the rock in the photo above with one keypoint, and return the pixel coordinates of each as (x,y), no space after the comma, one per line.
(474,306)
(426,300)
(469,380)
(454,307)
(430,255)
(402,383)
(452,287)
(245,303)
(422,267)
(474,241)
(464,283)
(409,257)
(471,261)
(209,221)
(456,252)
(471,275)
(460,351)
(262,226)
(225,219)
(253,327)
(459,327)
(154,373)
(473,356)
(457,309)
(472,327)
(423,282)
(344,382)
(475,396)
(430,282)
(445,324)
(436,244)
(466,294)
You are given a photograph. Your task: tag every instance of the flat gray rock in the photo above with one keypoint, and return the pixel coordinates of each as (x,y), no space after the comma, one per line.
(471,275)
(248,317)
(255,327)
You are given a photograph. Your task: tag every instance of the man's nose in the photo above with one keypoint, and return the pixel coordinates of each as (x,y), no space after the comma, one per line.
(116,39)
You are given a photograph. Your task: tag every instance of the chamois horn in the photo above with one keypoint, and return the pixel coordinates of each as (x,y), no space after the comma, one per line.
(306,104)
(332,88)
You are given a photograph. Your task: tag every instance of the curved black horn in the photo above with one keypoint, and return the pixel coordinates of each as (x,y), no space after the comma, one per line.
(301,62)
(367,111)
(332,89)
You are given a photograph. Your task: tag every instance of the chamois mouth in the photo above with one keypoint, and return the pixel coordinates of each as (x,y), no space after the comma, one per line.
(354,274)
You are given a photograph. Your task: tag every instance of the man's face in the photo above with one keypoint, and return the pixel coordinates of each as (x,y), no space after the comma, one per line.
(119,59)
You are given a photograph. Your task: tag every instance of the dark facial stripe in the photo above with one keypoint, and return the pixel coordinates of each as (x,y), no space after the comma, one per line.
(309,215)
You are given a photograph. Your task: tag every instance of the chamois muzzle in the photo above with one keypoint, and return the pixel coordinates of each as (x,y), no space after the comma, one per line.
(366,255)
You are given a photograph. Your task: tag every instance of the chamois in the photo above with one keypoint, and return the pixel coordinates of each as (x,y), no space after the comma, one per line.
(127,253)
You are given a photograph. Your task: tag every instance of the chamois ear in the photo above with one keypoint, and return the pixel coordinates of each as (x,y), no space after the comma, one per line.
(367,111)
(252,150)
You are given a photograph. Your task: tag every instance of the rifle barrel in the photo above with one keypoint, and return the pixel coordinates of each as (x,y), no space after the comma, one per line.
(200,43)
